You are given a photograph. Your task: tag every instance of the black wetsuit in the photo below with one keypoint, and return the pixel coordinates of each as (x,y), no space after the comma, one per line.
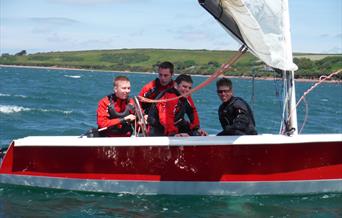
(236,118)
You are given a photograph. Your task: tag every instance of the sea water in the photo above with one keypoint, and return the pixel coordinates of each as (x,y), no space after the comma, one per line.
(50,102)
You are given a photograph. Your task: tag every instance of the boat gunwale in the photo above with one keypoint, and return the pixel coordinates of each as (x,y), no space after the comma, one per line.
(264,139)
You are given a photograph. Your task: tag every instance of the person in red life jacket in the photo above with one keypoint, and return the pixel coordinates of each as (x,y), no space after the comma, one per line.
(167,118)
(116,111)
(154,87)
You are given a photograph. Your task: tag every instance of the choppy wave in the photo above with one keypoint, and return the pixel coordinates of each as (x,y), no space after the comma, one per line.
(8,95)
(73,76)
(54,110)
(21,96)
(8,109)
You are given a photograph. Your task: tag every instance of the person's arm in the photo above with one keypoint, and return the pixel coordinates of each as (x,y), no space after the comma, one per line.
(241,120)
(103,119)
(147,88)
(193,114)
(194,119)
(103,116)
(167,116)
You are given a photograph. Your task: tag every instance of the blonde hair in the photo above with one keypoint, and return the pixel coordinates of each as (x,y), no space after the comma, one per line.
(120,78)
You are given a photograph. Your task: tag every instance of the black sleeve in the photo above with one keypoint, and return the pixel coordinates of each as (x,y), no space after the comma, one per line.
(241,120)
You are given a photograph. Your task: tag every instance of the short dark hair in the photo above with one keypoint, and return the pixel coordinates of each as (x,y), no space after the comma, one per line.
(224,82)
(120,78)
(167,65)
(183,77)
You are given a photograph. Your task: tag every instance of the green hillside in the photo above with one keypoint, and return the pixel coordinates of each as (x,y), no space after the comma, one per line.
(186,61)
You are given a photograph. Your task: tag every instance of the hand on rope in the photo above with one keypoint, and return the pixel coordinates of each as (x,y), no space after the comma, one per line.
(220,71)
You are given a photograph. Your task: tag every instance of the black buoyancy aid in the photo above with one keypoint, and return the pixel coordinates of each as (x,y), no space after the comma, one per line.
(113,113)
(229,111)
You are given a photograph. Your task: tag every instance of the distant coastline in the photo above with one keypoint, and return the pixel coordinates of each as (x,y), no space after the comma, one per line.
(200,75)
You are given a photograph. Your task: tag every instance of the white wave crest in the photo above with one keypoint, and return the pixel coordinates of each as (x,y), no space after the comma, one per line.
(21,96)
(8,95)
(8,109)
(73,76)
(55,111)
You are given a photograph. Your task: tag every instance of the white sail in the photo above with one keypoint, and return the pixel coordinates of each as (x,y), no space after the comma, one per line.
(262,25)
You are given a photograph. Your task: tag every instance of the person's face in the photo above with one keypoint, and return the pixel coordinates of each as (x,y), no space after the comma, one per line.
(224,93)
(164,75)
(183,87)
(122,89)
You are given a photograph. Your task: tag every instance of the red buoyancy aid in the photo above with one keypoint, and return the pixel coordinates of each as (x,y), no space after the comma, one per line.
(110,113)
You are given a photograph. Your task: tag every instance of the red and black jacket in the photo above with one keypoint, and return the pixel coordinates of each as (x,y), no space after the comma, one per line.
(168,118)
(110,113)
(151,90)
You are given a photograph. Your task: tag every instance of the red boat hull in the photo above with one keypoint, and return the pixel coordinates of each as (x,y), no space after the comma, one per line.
(216,164)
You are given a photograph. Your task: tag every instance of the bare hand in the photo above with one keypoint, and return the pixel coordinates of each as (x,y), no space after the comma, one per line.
(130,117)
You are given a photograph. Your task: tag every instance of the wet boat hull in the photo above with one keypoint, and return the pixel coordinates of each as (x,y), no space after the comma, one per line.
(161,165)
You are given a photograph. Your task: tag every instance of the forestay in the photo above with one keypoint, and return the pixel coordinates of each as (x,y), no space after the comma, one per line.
(262,25)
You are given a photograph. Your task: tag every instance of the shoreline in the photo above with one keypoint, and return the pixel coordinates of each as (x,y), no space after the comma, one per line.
(198,75)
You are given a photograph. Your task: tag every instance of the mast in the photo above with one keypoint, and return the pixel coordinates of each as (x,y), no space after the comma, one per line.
(291,116)
(291,126)
(264,27)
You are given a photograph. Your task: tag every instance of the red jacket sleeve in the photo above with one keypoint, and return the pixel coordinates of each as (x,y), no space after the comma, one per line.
(147,88)
(195,123)
(103,116)
(167,115)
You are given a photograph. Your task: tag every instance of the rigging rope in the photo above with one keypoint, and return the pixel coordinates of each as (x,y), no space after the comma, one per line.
(320,80)
(221,70)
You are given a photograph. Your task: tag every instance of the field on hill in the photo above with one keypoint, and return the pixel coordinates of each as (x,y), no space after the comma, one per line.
(186,61)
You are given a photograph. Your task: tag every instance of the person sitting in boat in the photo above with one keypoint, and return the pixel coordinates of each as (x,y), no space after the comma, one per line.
(115,112)
(154,87)
(236,117)
(167,118)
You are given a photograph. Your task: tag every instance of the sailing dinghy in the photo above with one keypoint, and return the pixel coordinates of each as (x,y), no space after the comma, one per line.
(287,163)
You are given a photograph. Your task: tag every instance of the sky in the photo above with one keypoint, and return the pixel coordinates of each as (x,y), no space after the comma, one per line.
(72,25)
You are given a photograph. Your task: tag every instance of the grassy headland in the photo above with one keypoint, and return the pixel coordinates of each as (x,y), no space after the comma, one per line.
(203,62)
